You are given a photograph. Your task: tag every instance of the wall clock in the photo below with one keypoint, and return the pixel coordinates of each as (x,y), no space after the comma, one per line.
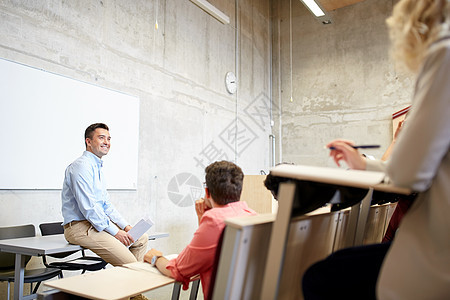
(230,82)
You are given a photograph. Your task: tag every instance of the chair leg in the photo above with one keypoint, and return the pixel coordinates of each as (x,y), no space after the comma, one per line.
(176,290)
(35,288)
(194,289)
(8,290)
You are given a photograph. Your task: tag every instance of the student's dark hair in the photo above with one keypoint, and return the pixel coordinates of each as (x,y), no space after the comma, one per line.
(89,132)
(224,180)
(272,183)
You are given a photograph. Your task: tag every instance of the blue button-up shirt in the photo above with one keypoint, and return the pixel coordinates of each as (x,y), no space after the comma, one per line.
(84,195)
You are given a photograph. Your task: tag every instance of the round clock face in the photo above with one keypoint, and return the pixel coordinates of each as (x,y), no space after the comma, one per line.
(230,82)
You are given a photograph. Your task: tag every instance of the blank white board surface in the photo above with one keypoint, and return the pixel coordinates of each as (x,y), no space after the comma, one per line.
(43,117)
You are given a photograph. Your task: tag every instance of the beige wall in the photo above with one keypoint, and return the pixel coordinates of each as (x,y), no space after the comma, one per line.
(344,83)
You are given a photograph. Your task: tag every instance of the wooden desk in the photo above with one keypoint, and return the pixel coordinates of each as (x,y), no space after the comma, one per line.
(280,229)
(157,235)
(116,283)
(111,284)
(34,246)
(257,196)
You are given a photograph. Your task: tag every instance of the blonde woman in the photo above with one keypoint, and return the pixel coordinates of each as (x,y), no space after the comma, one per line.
(417,264)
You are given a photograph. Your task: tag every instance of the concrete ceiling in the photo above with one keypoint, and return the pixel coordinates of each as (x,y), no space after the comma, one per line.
(330,5)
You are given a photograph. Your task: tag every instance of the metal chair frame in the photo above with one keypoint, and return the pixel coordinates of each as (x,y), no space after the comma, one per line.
(7,260)
(71,264)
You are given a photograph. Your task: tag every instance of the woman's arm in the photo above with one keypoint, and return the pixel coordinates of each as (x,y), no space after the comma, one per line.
(388,152)
(342,150)
(425,138)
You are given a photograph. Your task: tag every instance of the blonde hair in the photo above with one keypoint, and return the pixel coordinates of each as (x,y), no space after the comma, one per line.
(414,25)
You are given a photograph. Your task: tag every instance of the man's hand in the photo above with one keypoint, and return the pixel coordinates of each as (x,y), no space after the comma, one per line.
(161,262)
(124,238)
(344,151)
(201,205)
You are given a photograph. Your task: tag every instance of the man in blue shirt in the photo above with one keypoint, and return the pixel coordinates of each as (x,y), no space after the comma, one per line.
(90,219)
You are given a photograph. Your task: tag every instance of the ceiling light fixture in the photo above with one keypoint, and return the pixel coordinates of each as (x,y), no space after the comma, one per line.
(212,10)
(315,8)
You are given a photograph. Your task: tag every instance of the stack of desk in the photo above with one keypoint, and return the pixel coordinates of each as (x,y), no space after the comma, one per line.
(276,260)
(264,257)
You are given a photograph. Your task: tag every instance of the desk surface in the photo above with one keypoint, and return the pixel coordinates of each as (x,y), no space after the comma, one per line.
(157,235)
(38,245)
(336,176)
(49,244)
(111,284)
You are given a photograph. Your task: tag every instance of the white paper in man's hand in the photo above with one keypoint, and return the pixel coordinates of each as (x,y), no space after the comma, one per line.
(140,228)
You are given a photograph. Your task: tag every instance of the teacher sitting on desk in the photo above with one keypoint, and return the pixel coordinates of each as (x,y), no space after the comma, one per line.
(90,219)
(222,193)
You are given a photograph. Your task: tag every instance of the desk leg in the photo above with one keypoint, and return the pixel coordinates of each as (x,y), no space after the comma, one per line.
(277,244)
(19,277)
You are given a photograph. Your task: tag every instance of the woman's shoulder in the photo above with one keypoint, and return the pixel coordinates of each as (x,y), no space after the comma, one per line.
(436,60)
(439,49)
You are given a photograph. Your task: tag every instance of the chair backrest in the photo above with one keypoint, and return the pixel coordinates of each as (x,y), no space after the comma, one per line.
(51,228)
(242,258)
(7,260)
(215,266)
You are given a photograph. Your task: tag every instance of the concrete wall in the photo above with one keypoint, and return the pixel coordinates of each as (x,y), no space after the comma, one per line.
(344,84)
(187,118)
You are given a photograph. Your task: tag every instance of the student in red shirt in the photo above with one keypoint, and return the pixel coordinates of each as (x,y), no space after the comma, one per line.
(222,193)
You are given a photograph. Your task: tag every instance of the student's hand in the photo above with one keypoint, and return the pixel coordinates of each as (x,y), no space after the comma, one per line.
(124,238)
(389,150)
(149,255)
(201,205)
(161,262)
(127,228)
(399,127)
(344,151)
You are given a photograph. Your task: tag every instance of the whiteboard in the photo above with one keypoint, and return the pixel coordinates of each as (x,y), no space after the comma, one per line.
(43,117)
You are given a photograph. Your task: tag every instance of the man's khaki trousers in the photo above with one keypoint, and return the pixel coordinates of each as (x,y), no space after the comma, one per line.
(104,244)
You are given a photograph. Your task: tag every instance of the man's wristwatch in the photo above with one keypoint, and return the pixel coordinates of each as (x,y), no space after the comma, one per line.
(154,259)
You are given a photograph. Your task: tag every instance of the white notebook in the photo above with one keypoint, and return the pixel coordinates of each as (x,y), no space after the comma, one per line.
(140,228)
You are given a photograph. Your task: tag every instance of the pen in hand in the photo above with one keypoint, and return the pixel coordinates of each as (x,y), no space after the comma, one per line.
(359,147)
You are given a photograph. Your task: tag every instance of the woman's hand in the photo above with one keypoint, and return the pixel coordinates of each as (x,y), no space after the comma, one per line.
(343,150)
